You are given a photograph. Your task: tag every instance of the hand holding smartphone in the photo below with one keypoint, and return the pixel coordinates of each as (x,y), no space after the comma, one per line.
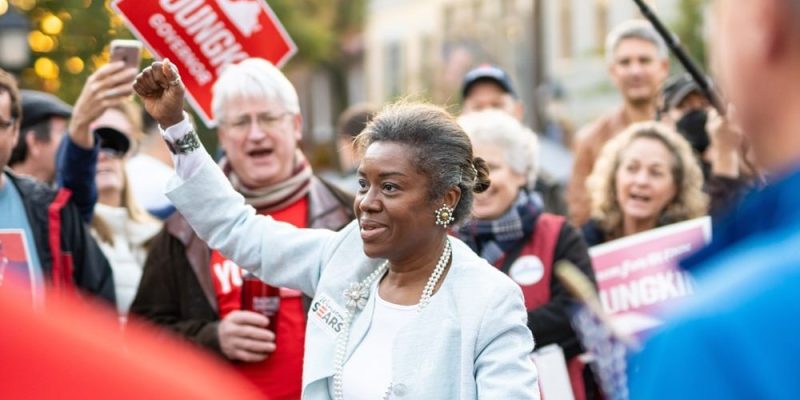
(128,51)
(108,86)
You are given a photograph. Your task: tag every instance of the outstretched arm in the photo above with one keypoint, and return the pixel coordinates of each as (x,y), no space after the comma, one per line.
(278,253)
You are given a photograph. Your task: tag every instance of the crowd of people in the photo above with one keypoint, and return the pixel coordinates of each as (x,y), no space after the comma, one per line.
(426,266)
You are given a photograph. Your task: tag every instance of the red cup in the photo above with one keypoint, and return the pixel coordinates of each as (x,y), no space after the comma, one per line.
(259,297)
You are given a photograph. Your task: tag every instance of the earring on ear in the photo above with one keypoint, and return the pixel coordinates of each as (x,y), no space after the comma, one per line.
(444,216)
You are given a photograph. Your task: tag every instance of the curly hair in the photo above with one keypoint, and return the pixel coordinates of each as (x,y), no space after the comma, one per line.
(442,151)
(689,202)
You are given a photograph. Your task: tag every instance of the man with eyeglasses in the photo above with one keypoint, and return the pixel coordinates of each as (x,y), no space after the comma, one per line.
(194,290)
(50,241)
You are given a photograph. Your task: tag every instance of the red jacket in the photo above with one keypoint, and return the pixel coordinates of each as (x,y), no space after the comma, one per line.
(546,299)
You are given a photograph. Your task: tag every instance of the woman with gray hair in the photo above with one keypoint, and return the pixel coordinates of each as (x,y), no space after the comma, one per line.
(509,229)
(192,288)
(399,308)
(644,178)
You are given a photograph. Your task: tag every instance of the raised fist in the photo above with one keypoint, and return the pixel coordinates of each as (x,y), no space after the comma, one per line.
(162,92)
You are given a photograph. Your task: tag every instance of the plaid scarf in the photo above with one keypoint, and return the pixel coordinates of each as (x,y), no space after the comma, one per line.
(278,196)
(493,239)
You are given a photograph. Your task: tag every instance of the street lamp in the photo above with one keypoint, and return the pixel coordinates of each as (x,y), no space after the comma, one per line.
(14,50)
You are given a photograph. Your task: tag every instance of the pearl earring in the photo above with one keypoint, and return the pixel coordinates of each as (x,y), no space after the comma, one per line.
(444,216)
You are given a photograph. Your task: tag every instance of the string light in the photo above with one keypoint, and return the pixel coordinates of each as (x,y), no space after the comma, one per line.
(52,25)
(40,42)
(45,68)
(74,65)
(51,85)
(25,5)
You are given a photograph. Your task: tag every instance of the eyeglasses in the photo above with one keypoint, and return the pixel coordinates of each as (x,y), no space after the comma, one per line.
(265,122)
(4,125)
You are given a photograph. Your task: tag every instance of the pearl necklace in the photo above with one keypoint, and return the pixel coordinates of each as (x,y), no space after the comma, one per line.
(358,294)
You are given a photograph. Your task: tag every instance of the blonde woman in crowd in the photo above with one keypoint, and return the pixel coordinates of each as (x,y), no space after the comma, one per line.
(122,228)
(645,177)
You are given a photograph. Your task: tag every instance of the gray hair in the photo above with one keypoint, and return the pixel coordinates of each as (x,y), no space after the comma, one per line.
(520,144)
(253,77)
(441,149)
(634,29)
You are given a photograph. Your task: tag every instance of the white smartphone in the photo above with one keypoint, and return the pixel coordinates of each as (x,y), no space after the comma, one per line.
(128,51)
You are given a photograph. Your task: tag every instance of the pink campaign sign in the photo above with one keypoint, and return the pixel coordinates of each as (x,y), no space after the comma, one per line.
(638,275)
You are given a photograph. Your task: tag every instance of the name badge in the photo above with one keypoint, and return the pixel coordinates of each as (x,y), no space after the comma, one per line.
(327,315)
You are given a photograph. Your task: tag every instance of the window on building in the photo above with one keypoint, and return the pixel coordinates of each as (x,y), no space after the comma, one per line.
(508,8)
(428,64)
(449,20)
(477,10)
(601,24)
(565,29)
(394,71)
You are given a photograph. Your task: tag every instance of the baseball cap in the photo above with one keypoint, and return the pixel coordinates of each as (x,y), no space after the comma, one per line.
(112,139)
(677,88)
(487,72)
(38,106)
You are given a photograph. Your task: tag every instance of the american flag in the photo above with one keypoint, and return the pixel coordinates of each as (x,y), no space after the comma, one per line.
(609,353)
(608,349)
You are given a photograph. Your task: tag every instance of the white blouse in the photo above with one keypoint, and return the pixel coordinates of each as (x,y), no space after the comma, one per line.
(368,372)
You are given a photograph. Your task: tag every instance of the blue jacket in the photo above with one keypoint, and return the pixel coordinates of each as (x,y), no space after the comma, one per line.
(737,338)
(75,170)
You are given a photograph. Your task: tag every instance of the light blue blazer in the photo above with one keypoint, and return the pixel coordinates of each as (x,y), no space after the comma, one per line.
(470,342)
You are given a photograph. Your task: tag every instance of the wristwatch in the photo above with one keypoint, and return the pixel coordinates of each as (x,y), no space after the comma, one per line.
(185,144)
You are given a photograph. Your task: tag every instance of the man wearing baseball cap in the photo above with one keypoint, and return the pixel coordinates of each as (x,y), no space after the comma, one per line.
(716,140)
(43,124)
(489,87)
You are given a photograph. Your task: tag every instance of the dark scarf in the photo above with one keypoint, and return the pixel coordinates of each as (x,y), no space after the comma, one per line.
(278,196)
(493,239)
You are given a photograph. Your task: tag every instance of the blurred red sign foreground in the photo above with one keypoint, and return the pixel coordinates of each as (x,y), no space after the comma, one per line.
(201,37)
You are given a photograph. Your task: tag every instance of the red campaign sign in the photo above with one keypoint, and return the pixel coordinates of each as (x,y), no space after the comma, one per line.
(201,37)
(16,267)
(637,275)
